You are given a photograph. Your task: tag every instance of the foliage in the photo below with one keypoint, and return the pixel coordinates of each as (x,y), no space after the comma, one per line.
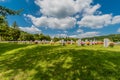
(24,36)
(111,44)
(13,33)
(6,11)
(112,37)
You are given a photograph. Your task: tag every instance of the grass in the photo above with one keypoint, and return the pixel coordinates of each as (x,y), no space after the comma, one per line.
(55,62)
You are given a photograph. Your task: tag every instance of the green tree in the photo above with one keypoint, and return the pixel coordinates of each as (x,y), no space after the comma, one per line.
(6,11)
(24,36)
(15,25)
(4,28)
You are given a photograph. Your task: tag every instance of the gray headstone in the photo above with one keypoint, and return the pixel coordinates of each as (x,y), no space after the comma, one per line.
(62,42)
(91,42)
(71,42)
(79,42)
(106,42)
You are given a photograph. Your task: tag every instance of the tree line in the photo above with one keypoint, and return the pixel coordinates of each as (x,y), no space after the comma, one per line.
(112,37)
(13,33)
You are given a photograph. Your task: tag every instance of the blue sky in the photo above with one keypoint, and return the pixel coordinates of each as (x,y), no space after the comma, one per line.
(74,18)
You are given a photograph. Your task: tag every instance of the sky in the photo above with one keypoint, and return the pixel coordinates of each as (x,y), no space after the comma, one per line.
(73,18)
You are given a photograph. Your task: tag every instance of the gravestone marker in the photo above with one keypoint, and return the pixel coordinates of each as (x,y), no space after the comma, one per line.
(106,42)
(71,42)
(91,42)
(63,42)
(86,41)
(79,42)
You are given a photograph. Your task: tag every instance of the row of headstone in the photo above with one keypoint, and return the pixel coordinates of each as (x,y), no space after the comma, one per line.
(80,42)
(86,42)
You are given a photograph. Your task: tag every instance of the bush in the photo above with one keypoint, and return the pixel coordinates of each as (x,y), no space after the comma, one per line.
(111,44)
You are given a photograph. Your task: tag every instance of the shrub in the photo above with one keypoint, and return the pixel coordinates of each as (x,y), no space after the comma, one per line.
(111,44)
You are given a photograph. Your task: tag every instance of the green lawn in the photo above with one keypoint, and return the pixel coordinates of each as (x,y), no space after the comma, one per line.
(46,62)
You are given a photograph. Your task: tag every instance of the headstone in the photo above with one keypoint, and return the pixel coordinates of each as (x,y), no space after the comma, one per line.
(63,42)
(86,41)
(79,42)
(91,42)
(106,42)
(51,42)
(71,42)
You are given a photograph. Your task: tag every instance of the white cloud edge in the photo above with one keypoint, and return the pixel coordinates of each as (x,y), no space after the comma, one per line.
(31,29)
(118,30)
(85,34)
(52,18)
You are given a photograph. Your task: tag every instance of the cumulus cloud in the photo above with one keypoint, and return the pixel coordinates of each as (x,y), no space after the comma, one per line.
(80,31)
(77,16)
(64,14)
(31,29)
(116,19)
(95,22)
(98,21)
(53,23)
(91,10)
(59,14)
(61,35)
(62,8)
(74,36)
(86,34)
(118,30)
(65,31)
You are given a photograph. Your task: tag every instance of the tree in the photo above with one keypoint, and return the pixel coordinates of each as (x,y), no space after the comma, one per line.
(6,11)
(4,28)
(24,36)
(15,25)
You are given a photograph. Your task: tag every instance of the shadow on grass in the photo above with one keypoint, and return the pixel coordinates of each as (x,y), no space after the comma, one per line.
(4,47)
(52,63)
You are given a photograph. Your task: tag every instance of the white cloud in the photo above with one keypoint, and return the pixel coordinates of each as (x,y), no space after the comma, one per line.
(61,35)
(74,36)
(58,14)
(65,31)
(62,8)
(77,16)
(118,30)
(116,19)
(80,31)
(86,34)
(53,23)
(31,29)
(95,22)
(91,10)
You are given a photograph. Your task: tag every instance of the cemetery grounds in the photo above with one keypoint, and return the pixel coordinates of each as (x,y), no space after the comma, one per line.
(56,62)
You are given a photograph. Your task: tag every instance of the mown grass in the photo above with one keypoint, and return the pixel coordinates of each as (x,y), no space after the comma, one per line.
(55,62)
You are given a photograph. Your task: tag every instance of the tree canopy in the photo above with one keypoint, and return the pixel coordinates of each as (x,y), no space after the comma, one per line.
(6,11)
